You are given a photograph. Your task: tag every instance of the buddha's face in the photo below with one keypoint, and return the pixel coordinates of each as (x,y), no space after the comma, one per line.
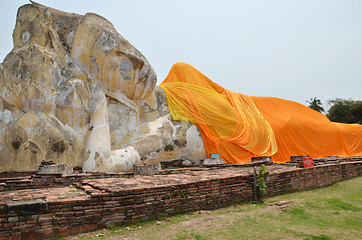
(93,43)
(115,62)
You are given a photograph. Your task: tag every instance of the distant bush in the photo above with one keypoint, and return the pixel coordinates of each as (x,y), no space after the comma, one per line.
(345,111)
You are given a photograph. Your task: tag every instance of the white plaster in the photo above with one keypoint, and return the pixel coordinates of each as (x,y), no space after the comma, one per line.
(90,163)
(125,158)
(174,128)
(6,116)
(99,140)
(194,144)
(193,138)
(25,36)
(78,50)
(69,39)
(155,125)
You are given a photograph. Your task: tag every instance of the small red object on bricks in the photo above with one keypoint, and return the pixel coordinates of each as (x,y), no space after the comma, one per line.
(308,162)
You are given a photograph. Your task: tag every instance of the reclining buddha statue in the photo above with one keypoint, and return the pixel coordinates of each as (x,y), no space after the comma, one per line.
(73,90)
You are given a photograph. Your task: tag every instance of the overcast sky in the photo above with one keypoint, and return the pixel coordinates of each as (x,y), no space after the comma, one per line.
(294,50)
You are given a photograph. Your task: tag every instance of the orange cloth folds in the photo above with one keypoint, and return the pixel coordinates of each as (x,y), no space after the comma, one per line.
(239,126)
(229,122)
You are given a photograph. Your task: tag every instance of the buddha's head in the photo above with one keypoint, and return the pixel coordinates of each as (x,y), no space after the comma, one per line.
(93,43)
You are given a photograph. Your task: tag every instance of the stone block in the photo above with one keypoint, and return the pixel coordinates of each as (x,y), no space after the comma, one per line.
(28,207)
(213,161)
(56,168)
(267,158)
(186,163)
(147,170)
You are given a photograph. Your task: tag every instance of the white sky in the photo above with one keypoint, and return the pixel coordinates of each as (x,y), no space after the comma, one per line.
(294,50)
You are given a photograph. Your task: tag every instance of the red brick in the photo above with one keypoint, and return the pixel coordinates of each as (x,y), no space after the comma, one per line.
(13,219)
(30,235)
(47,233)
(100,225)
(5,238)
(63,231)
(76,208)
(74,230)
(16,236)
(87,228)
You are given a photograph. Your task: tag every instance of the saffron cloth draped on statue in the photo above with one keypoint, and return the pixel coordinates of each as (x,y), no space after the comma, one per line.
(238,126)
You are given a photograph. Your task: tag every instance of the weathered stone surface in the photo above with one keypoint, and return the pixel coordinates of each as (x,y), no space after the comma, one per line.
(148,169)
(213,161)
(74,91)
(27,207)
(56,168)
(186,163)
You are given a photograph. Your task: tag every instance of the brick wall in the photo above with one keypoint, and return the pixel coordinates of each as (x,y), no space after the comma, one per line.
(308,178)
(46,218)
(47,180)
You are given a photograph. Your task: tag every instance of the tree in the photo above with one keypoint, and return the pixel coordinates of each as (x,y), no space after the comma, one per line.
(345,111)
(316,104)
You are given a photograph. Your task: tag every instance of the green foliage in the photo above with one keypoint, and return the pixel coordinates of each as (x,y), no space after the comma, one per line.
(345,111)
(260,182)
(315,104)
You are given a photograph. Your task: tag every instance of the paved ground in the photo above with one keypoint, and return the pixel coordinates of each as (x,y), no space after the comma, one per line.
(96,187)
(49,195)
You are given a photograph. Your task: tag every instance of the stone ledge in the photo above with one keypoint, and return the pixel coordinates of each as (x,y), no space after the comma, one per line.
(26,208)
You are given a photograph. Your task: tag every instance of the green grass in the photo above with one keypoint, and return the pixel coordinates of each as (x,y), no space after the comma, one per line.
(329,213)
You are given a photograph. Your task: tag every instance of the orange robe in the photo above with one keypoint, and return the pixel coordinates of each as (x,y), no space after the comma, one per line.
(239,126)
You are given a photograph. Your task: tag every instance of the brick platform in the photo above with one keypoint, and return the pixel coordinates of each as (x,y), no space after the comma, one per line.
(98,203)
